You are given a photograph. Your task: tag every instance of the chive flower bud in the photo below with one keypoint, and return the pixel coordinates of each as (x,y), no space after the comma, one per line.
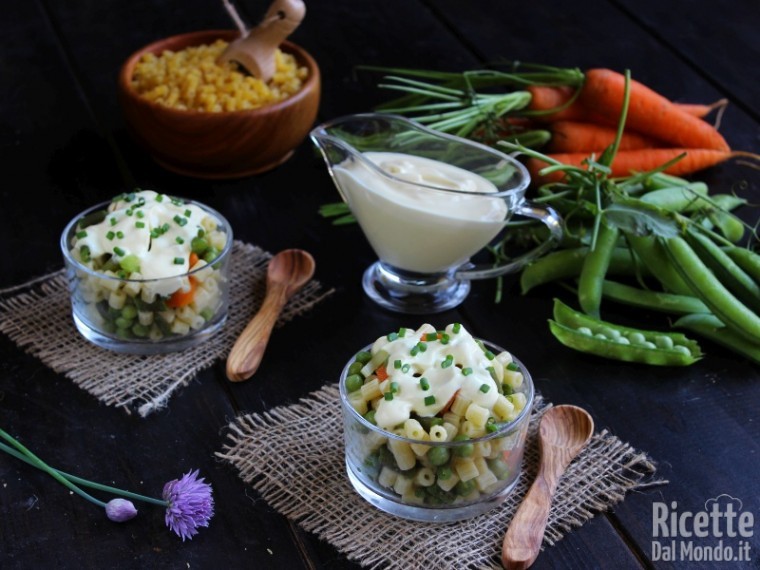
(120,510)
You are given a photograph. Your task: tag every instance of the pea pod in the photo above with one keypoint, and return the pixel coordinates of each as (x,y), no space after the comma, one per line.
(587,334)
(565,263)
(653,300)
(595,268)
(678,198)
(711,291)
(726,269)
(748,260)
(711,327)
(654,257)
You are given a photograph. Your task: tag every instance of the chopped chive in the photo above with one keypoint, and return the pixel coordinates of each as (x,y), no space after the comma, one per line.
(388,396)
(445,338)
(429,400)
(118,251)
(405,368)
(484,388)
(449,360)
(392,336)
(489,355)
(456,328)
(160,198)
(179,260)
(188,213)
(81,235)
(84,253)
(201,232)
(140,214)
(179,220)
(424,384)
(394,387)
(177,201)
(397,364)
(513,367)
(129,197)
(113,221)
(164,228)
(466,371)
(129,211)
(492,372)
(421,346)
(415,350)
(402,332)
(110,235)
(139,224)
(179,240)
(120,234)
(154,233)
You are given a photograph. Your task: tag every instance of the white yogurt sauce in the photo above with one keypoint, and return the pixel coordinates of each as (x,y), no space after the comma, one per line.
(444,382)
(413,227)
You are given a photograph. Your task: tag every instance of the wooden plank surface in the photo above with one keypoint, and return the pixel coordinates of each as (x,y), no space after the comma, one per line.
(64,142)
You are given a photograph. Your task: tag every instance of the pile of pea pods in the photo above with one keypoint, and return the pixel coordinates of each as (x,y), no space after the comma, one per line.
(659,243)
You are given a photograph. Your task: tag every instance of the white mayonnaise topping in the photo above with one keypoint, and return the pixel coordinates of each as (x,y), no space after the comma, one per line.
(467,374)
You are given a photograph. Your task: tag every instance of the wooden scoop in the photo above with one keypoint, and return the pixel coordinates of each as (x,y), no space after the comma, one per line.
(287,273)
(255,51)
(563,432)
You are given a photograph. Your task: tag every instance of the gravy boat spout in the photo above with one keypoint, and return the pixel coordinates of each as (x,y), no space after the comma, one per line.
(427,202)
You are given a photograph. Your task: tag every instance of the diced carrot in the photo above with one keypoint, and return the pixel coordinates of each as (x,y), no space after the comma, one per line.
(448,404)
(193,259)
(182,298)
(381,373)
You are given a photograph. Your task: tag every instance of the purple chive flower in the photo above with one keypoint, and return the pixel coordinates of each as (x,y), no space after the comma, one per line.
(120,510)
(190,504)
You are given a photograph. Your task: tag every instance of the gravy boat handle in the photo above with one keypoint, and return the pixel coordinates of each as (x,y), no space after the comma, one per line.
(546,215)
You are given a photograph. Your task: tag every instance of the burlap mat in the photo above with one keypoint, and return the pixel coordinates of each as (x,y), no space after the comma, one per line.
(37,317)
(293,456)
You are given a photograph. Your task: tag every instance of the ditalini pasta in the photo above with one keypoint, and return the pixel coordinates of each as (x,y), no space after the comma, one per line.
(450,416)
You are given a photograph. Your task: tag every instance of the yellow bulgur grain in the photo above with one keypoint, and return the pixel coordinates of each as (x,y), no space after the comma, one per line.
(191,79)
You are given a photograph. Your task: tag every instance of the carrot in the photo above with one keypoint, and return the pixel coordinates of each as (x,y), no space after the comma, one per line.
(701,110)
(382,373)
(193,259)
(649,113)
(544,99)
(641,160)
(572,136)
(182,298)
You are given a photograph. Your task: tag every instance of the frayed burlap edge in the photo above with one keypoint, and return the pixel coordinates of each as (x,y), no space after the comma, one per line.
(37,317)
(293,456)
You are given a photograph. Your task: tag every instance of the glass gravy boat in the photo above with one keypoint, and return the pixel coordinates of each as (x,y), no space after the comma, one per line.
(427,202)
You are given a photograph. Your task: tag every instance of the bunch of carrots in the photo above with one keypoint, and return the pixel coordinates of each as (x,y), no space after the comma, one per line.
(582,121)
(572,113)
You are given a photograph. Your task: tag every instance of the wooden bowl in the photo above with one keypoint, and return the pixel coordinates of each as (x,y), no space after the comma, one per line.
(229,144)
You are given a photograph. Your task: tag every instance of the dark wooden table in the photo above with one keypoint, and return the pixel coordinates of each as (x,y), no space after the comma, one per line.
(64,147)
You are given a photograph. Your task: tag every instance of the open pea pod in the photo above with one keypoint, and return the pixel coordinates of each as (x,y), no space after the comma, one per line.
(588,334)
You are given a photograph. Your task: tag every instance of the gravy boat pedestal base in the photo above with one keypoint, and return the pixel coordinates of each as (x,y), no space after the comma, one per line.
(413,293)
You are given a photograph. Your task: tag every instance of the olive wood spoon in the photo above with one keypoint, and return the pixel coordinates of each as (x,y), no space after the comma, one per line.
(287,273)
(255,51)
(563,432)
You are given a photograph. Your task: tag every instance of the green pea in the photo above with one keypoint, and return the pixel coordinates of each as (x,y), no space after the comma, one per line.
(586,331)
(211,254)
(663,342)
(636,338)
(123,323)
(129,312)
(355,367)
(622,340)
(464,450)
(199,245)
(464,488)
(354,382)
(370,417)
(438,455)
(207,314)
(682,349)
(499,468)
(444,472)
(364,357)
(140,330)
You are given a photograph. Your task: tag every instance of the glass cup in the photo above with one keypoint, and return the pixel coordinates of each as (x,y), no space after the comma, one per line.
(427,202)
(426,492)
(132,315)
